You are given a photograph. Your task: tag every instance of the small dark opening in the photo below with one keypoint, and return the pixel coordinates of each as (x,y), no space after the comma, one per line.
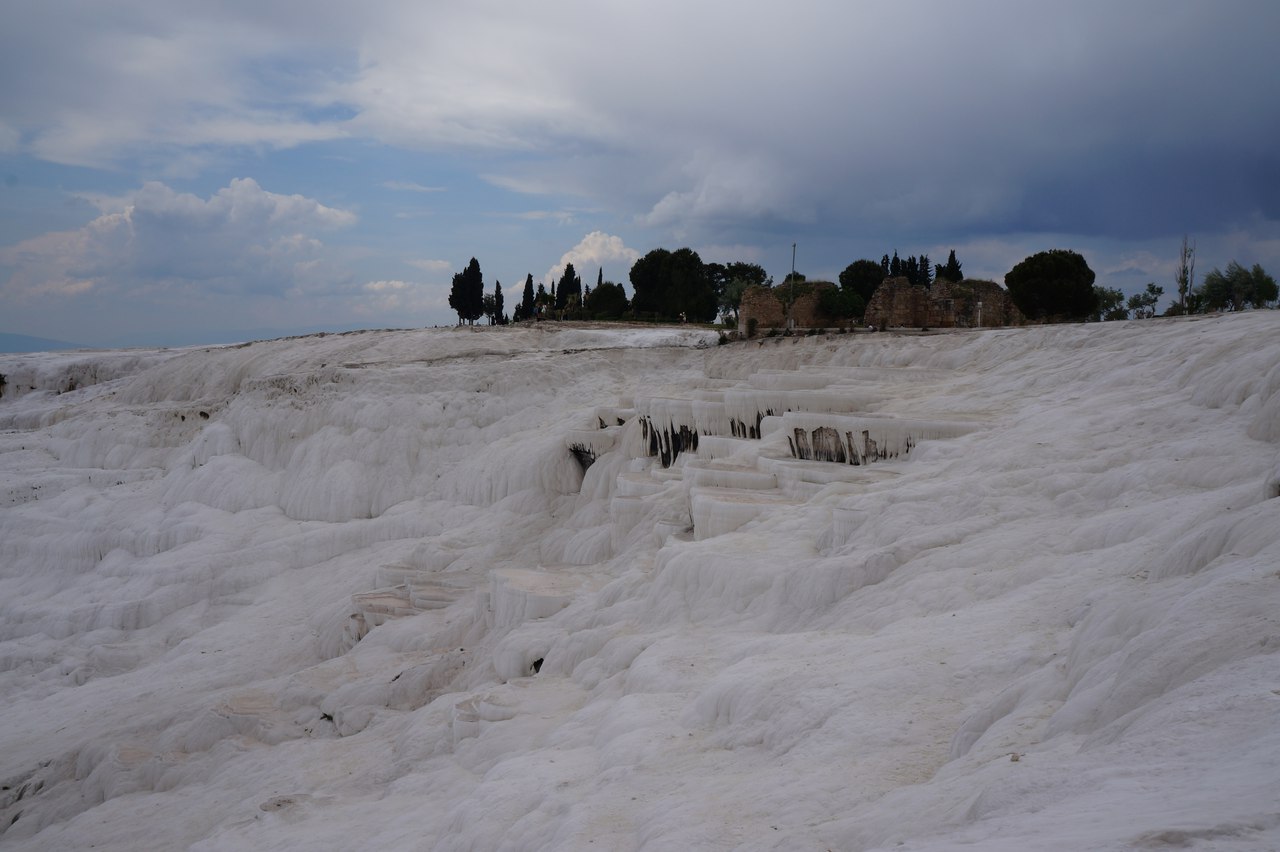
(537,665)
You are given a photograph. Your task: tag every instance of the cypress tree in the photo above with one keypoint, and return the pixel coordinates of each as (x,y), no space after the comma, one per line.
(526,300)
(467,293)
(951,271)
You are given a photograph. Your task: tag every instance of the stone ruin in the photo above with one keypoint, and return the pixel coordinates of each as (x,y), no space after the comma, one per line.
(897,303)
(764,305)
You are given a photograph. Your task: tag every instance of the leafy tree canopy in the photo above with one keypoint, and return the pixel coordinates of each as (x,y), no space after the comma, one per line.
(1110,303)
(1143,305)
(607,301)
(861,278)
(673,284)
(1235,289)
(1053,285)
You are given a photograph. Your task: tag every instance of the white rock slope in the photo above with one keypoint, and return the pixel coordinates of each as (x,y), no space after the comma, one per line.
(622,589)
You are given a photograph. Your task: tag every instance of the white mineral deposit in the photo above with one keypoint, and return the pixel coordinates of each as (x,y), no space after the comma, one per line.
(625,589)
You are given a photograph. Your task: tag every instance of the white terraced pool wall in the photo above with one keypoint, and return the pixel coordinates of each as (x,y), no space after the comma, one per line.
(608,588)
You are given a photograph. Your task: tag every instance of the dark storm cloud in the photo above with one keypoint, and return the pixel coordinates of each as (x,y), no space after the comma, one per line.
(1002,127)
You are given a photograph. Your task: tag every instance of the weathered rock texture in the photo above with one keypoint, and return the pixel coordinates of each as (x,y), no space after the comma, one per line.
(765,306)
(896,302)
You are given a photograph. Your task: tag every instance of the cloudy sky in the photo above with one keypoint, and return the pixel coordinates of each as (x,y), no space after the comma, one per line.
(178,172)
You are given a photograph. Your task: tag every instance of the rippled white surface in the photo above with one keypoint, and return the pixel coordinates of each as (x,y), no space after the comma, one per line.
(353,591)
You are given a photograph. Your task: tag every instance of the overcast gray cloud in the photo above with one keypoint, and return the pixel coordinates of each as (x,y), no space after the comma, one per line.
(1091,118)
(854,127)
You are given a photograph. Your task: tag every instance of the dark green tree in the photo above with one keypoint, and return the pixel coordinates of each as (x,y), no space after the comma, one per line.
(467,294)
(526,298)
(607,301)
(895,267)
(1054,285)
(569,291)
(1236,289)
(911,269)
(951,271)
(926,272)
(495,318)
(689,292)
(1143,305)
(1110,302)
(648,282)
(672,284)
(861,277)
(752,273)
(740,276)
(841,304)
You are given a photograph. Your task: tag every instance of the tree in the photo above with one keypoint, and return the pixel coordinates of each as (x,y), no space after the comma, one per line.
(467,294)
(607,301)
(861,278)
(951,271)
(841,304)
(1110,304)
(570,287)
(911,269)
(1143,305)
(689,293)
(648,282)
(895,267)
(1053,285)
(752,273)
(493,307)
(1186,272)
(1236,289)
(738,276)
(673,284)
(526,298)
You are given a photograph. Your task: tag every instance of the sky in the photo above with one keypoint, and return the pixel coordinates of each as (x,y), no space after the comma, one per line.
(182,173)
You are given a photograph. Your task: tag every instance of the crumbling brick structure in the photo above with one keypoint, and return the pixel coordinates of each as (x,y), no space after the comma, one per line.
(763,305)
(898,303)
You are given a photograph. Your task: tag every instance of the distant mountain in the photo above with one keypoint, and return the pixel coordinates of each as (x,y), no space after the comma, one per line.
(27,343)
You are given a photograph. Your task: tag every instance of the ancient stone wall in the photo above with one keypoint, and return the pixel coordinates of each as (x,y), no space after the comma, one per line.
(978,303)
(762,305)
(898,303)
(769,312)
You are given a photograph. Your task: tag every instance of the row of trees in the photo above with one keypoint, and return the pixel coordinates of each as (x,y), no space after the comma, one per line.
(468,298)
(1054,285)
(917,269)
(1236,289)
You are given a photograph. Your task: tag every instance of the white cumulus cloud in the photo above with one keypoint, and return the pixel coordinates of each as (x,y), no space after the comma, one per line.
(595,251)
(241,239)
